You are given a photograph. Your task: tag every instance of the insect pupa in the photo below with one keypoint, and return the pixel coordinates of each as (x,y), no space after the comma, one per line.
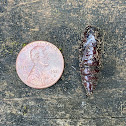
(90,58)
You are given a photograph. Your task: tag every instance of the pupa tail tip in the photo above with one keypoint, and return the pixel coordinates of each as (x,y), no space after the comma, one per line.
(89,94)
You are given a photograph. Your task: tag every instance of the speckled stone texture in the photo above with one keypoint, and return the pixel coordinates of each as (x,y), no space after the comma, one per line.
(61,22)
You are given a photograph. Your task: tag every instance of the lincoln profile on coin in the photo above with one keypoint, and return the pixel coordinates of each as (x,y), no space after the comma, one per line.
(39,58)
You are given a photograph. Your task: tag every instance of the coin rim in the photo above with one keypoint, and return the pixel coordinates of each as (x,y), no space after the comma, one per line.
(56,79)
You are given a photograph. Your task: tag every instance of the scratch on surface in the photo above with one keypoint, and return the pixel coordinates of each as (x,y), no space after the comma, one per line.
(24,3)
(111,90)
(44,97)
(35,29)
(73,67)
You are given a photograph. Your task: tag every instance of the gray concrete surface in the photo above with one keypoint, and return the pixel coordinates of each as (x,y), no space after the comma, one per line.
(61,22)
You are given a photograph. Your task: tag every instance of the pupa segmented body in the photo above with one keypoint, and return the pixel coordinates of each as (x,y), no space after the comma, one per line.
(90,58)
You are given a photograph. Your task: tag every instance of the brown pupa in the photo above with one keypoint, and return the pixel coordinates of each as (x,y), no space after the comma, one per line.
(90,58)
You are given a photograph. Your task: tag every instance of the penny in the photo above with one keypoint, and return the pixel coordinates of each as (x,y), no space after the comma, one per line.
(39,64)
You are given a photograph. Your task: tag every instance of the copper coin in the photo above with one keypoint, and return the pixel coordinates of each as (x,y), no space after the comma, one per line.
(40,64)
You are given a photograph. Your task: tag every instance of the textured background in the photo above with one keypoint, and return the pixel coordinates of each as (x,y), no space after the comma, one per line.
(61,22)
